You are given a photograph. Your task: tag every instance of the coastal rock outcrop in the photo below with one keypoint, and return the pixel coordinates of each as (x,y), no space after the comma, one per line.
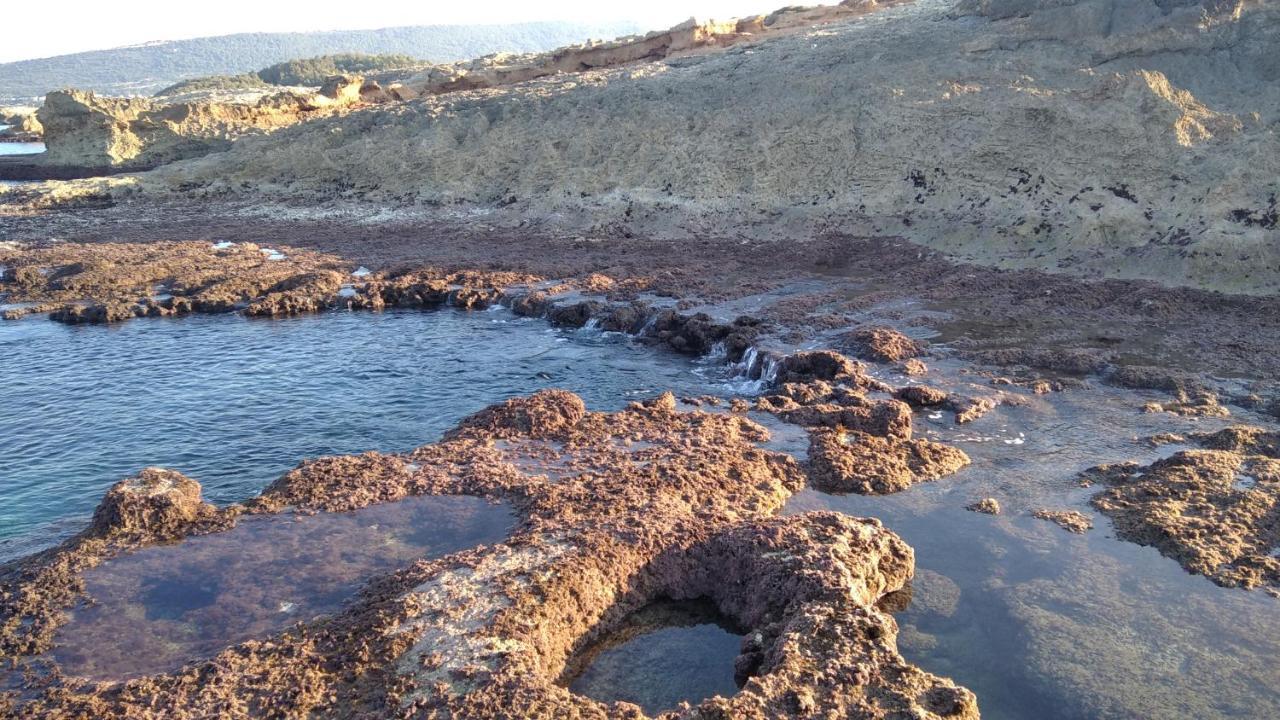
(651,503)
(83,129)
(101,283)
(843,462)
(1096,138)
(1213,510)
(22,125)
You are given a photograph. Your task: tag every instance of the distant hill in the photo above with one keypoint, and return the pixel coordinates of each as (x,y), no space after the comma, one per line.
(144,69)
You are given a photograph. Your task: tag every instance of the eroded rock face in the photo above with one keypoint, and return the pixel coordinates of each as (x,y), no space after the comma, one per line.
(1215,511)
(154,505)
(85,130)
(649,503)
(1164,153)
(23,125)
(817,365)
(690,37)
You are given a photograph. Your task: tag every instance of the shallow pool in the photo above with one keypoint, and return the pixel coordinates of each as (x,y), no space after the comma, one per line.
(1041,623)
(152,610)
(666,653)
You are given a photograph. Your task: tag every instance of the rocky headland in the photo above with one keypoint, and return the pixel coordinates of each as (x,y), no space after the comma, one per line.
(1100,139)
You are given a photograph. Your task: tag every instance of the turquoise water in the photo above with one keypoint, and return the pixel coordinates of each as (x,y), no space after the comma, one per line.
(234,402)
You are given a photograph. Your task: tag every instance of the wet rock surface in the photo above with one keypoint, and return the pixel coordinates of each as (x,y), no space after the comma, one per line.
(883,344)
(667,504)
(1069,520)
(870,465)
(107,283)
(1214,510)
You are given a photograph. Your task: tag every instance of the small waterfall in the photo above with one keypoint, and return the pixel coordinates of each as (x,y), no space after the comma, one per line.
(769,374)
(717,354)
(648,325)
(592,324)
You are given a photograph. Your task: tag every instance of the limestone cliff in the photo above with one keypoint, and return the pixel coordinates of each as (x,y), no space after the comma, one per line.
(86,130)
(1118,138)
(21,125)
(687,38)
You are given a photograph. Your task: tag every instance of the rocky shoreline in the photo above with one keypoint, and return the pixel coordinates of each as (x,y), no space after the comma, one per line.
(596,521)
(483,633)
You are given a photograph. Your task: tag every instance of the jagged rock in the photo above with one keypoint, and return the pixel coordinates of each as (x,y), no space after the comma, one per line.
(884,418)
(156,505)
(922,396)
(883,344)
(1211,510)
(969,408)
(539,415)
(817,365)
(913,367)
(866,464)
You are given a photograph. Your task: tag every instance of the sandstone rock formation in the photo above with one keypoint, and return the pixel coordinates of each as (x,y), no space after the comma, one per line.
(1100,138)
(22,125)
(86,130)
(690,37)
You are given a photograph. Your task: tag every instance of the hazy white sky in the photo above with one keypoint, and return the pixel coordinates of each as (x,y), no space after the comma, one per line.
(66,26)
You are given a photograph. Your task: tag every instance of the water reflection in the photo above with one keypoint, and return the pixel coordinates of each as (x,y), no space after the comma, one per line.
(1042,623)
(665,653)
(153,610)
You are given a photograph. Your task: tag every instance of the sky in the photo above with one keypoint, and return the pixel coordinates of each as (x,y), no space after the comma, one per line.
(78,25)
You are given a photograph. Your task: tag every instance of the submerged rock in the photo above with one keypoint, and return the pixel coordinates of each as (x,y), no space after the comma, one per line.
(1069,520)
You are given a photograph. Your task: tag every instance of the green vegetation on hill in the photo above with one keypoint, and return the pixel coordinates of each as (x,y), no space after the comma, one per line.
(306,71)
(313,71)
(247,81)
(144,69)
